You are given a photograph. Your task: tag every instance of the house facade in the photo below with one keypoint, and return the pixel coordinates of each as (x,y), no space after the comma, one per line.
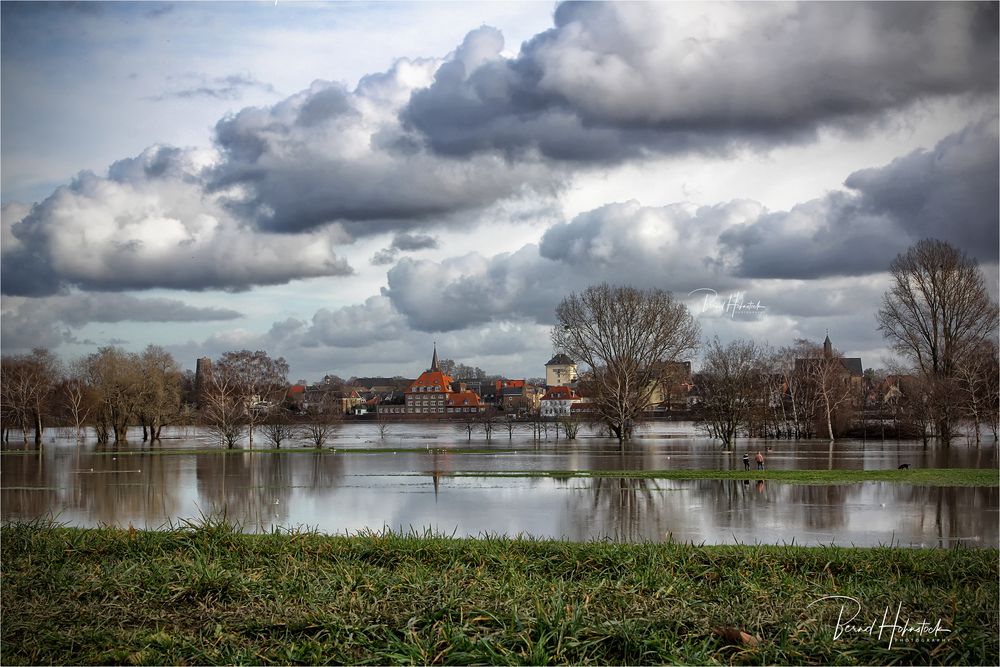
(558,402)
(434,394)
(560,371)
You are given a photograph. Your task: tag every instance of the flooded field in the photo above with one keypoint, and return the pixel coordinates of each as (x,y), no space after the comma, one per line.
(432,477)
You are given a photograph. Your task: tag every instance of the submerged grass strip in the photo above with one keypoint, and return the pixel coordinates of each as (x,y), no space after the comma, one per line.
(210,595)
(920,477)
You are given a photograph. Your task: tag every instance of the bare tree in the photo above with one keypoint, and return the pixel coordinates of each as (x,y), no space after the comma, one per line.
(161,390)
(567,421)
(15,389)
(935,314)
(730,386)
(468,424)
(832,381)
(623,334)
(975,380)
(278,427)
(258,380)
(223,409)
(324,419)
(510,425)
(487,421)
(382,423)
(117,380)
(28,382)
(78,400)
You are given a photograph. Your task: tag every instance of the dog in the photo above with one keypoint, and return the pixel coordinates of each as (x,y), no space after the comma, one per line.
(903,466)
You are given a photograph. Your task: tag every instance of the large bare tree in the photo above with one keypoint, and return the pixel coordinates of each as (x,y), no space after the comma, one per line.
(26,387)
(258,381)
(937,312)
(976,382)
(223,409)
(731,386)
(161,390)
(78,398)
(117,379)
(623,334)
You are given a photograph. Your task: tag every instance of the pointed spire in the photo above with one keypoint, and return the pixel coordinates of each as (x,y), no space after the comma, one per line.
(434,359)
(827,346)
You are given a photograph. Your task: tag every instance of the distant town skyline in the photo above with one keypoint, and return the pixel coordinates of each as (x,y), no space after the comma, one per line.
(343,184)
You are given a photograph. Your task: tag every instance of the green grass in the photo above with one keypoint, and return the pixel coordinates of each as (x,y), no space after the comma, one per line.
(921,477)
(210,595)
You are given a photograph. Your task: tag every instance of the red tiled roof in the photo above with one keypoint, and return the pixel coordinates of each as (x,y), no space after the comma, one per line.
(509,384)
(460,398)
(559,394)
(432,379)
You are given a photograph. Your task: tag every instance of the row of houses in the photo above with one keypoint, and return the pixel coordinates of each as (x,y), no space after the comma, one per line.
(436,394)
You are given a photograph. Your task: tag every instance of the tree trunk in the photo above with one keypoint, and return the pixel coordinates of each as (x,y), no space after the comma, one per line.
(944,431)
(38,427)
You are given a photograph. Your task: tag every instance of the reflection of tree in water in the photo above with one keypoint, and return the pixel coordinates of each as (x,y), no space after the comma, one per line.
(949,514)
(115,487)
(325,473)
(250,488)
(29,485)
(739,505)
(725,499)
(626,509)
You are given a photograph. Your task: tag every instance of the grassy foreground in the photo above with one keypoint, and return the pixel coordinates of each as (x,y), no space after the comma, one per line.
(209,595)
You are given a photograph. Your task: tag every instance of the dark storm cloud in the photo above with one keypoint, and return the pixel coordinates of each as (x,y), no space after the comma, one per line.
(327,155)
(79,310)
(407,242)
(950,193)
(47,322)
(613,81)
(403,243)
(384,257)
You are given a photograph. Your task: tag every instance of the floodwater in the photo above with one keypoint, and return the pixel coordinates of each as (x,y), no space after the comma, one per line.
(429,477)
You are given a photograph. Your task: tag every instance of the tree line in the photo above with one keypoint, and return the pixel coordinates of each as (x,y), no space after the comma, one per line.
(937,315)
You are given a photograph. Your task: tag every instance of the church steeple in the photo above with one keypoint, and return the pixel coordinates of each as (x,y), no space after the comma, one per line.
(827,347)
(434,359)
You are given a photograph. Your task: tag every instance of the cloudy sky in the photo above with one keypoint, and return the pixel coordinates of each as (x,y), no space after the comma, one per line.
(344,184)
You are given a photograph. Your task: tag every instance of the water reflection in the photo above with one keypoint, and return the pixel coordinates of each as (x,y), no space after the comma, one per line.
(409,481)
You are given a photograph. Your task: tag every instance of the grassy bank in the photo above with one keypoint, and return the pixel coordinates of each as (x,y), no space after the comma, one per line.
(209,595)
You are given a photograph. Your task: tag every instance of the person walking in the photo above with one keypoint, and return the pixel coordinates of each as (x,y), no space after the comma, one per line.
(746,460)
(760,461)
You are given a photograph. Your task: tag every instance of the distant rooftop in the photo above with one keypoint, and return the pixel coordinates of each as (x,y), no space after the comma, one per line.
(560,360)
